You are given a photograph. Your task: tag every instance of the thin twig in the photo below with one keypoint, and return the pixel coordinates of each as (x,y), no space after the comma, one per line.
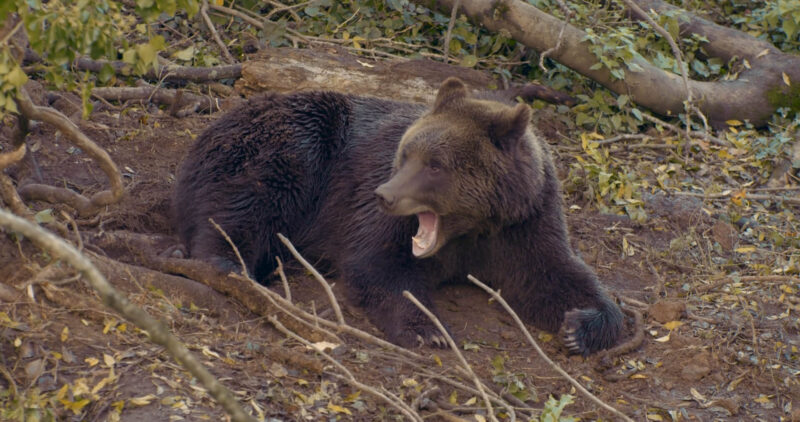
(449,33)
(210,25)
(551,50)
(336,309)
(763,278)
(157,332)
(710,138)
(623,137)
(748,196)
(287,292)
(541,352)
(233,246)
(397,404)
(408,295)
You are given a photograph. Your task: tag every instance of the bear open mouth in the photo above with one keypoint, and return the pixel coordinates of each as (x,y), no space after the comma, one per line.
(424,242)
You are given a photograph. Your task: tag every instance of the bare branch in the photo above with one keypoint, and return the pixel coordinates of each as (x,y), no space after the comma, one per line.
(543,355)
(168,72)
(186,102)
(334,303)
(449,33)
(395,402)
(478,384)
(157,332)
(210,25)
(82,204)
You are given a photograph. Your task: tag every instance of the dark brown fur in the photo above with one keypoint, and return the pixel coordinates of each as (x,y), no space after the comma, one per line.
(308,165)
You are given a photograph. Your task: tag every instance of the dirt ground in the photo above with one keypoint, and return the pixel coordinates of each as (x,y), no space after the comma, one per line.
(712,350)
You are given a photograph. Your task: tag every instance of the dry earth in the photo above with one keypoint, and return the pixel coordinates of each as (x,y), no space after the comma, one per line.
(729,352)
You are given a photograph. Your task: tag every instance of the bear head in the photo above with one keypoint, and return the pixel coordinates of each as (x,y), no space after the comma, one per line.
(467,166)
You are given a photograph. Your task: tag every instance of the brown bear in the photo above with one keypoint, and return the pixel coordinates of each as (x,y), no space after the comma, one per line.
(396,196)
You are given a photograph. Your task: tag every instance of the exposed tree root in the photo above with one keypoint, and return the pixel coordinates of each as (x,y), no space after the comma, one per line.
(83,205)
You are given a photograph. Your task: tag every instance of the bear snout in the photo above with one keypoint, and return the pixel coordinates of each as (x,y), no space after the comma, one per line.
(385,198)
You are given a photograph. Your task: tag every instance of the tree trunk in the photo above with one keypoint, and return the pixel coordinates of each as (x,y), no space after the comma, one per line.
(754,96)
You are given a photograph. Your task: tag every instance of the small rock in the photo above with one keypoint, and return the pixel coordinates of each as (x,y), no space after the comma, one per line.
(665,311)
(508,334)
(724,234)
(729,404)
(696,368)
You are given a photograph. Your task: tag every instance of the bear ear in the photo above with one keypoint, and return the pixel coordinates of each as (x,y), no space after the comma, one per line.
(452,89)
(508,127)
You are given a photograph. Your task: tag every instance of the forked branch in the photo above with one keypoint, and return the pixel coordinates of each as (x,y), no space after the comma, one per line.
(85,206)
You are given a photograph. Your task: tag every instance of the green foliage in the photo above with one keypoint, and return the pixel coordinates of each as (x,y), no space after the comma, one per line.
(513,383)
(615,48)
(780,20)
(63,30)
(613,186)
(554,408)
(31,405)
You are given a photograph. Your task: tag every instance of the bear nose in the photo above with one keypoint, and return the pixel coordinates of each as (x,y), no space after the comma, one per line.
(385,199)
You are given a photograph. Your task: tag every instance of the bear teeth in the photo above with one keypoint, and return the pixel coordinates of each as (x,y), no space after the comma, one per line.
(421,242)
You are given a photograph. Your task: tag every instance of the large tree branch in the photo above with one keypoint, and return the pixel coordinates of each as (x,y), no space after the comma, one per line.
(723,42)
(745,98)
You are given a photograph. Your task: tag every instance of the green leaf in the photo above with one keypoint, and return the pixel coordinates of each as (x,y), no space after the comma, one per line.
(16,77)
(455,46)
(469,61)
(44,216)
(186,54)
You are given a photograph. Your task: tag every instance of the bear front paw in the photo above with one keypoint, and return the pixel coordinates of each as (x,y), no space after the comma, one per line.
(586,331)
(413,331)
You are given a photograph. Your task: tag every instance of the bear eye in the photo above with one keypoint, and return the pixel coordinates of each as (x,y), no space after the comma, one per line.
(435,166)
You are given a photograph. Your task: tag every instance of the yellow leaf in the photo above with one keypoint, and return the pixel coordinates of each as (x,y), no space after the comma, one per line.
(118,405)
(409,382)
(57,355)
(672,325)
(654,417)
(471,401)
(122,327)
(746,249)
(763,53)
(638,376)
(479,418)
(64,334)
(108,360)
(663,339)
(62,392)
(733,122)
(142,400)
(75,406)
(353,397)
(18,342)
(437,359)
(302,382)
(453,399)
(786,79)
(92,361)
(545,337)
(338,409)
(109,325)
(762,399)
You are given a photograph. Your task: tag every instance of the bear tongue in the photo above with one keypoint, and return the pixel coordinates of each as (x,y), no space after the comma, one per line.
(425,239)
